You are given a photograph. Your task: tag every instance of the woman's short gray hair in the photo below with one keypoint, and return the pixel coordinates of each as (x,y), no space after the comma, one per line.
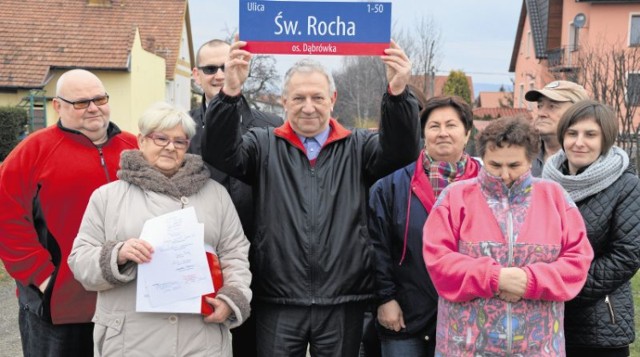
(308,65)
(161,116)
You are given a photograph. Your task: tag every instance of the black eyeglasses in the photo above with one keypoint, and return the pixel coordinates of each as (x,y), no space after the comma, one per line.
(85,103)
(163,141)
(211,69)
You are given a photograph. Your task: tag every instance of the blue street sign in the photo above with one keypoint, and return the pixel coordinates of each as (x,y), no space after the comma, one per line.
(328,28)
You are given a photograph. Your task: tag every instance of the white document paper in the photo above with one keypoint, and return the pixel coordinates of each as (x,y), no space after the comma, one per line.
(178,274)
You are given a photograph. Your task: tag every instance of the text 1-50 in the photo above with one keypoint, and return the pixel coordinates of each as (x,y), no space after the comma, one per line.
(375,8)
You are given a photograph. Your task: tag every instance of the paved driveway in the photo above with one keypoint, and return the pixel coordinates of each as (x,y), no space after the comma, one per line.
(9,334)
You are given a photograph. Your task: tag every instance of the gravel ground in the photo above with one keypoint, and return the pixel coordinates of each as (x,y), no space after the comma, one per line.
(9,334)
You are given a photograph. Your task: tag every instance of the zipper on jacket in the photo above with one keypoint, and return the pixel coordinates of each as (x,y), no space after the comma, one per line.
(610,307)
(312,228)
(511,243)
(103,163)
(509,330)
(510,236)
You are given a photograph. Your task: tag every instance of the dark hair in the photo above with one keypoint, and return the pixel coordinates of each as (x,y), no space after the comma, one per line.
(590,109)
(458,104)
(211,43)
(508,131)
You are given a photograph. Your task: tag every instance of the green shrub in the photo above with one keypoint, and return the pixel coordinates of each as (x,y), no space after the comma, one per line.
(12,122)
(635,288)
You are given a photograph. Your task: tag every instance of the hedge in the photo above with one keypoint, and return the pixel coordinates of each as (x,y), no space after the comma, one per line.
(12,123)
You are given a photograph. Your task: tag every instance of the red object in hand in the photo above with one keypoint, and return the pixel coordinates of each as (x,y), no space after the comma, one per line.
(216,274)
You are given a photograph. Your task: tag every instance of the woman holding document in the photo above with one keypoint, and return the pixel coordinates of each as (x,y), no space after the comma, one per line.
(158,179)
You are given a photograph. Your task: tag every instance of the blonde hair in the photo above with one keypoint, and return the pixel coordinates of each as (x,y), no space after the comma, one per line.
(161,116)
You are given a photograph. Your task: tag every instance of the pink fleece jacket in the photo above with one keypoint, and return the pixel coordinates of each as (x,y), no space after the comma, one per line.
(479,226)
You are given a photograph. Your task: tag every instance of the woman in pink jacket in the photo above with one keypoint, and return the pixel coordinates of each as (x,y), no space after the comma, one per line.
(504,251)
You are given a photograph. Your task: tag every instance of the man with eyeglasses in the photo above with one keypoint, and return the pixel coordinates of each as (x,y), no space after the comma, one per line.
(45,185)
(209,75)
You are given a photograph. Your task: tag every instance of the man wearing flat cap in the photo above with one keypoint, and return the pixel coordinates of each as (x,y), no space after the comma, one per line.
(553,100)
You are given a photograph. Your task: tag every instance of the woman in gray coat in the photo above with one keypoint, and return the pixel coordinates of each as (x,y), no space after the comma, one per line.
(157,179)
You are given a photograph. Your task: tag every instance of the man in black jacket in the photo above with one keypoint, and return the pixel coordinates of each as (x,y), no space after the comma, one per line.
(209,75)
(312,257)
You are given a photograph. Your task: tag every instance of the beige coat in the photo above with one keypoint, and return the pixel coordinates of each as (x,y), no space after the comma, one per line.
(116,212)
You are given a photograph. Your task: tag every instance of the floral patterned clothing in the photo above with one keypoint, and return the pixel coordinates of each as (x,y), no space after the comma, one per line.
(479,226)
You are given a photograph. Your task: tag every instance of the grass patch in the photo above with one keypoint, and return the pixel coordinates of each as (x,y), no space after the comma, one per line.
(635,287)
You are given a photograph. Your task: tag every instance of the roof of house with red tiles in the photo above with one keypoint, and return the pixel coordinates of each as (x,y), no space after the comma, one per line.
(501,112)
(39,35)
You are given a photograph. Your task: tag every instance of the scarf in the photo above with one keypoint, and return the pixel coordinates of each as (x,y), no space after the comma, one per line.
(189,179)
(595,178)
(422,188)
(442,173)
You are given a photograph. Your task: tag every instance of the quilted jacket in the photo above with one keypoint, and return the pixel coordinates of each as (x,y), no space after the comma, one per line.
(602,314)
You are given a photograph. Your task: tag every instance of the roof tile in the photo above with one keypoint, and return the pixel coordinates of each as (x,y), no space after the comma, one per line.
(495,113)
(37,35)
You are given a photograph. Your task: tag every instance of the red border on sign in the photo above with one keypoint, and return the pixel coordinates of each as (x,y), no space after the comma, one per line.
(317,48)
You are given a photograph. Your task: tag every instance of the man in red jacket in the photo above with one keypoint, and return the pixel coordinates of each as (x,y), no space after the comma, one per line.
(45,184)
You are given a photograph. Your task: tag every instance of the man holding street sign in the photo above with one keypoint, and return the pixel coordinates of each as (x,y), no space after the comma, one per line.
(311,252)
(315,28)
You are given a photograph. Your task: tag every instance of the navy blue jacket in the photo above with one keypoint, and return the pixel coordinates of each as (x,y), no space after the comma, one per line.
(401,272)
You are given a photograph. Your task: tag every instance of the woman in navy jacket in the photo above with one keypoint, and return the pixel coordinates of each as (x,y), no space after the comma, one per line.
(400,204)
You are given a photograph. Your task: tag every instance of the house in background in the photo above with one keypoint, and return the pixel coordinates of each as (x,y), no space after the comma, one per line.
(500,99)
(141,50)
(554,35)
(483,116)
(495,113)
(433,86)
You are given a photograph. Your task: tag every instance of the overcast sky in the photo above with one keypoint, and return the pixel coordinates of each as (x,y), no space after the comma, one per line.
(477,36)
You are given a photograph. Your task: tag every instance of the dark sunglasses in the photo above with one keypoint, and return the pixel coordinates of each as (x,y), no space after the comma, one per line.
(85,103)
(211,69)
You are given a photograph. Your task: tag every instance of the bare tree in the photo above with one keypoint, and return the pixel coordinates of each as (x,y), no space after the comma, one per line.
(360,85)
(610,71)
(263,79)
(406,40)
(362,80)
(422,43)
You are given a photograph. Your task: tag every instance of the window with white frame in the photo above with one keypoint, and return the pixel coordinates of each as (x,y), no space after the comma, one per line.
(574,37)
(633,88)
(634,31)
